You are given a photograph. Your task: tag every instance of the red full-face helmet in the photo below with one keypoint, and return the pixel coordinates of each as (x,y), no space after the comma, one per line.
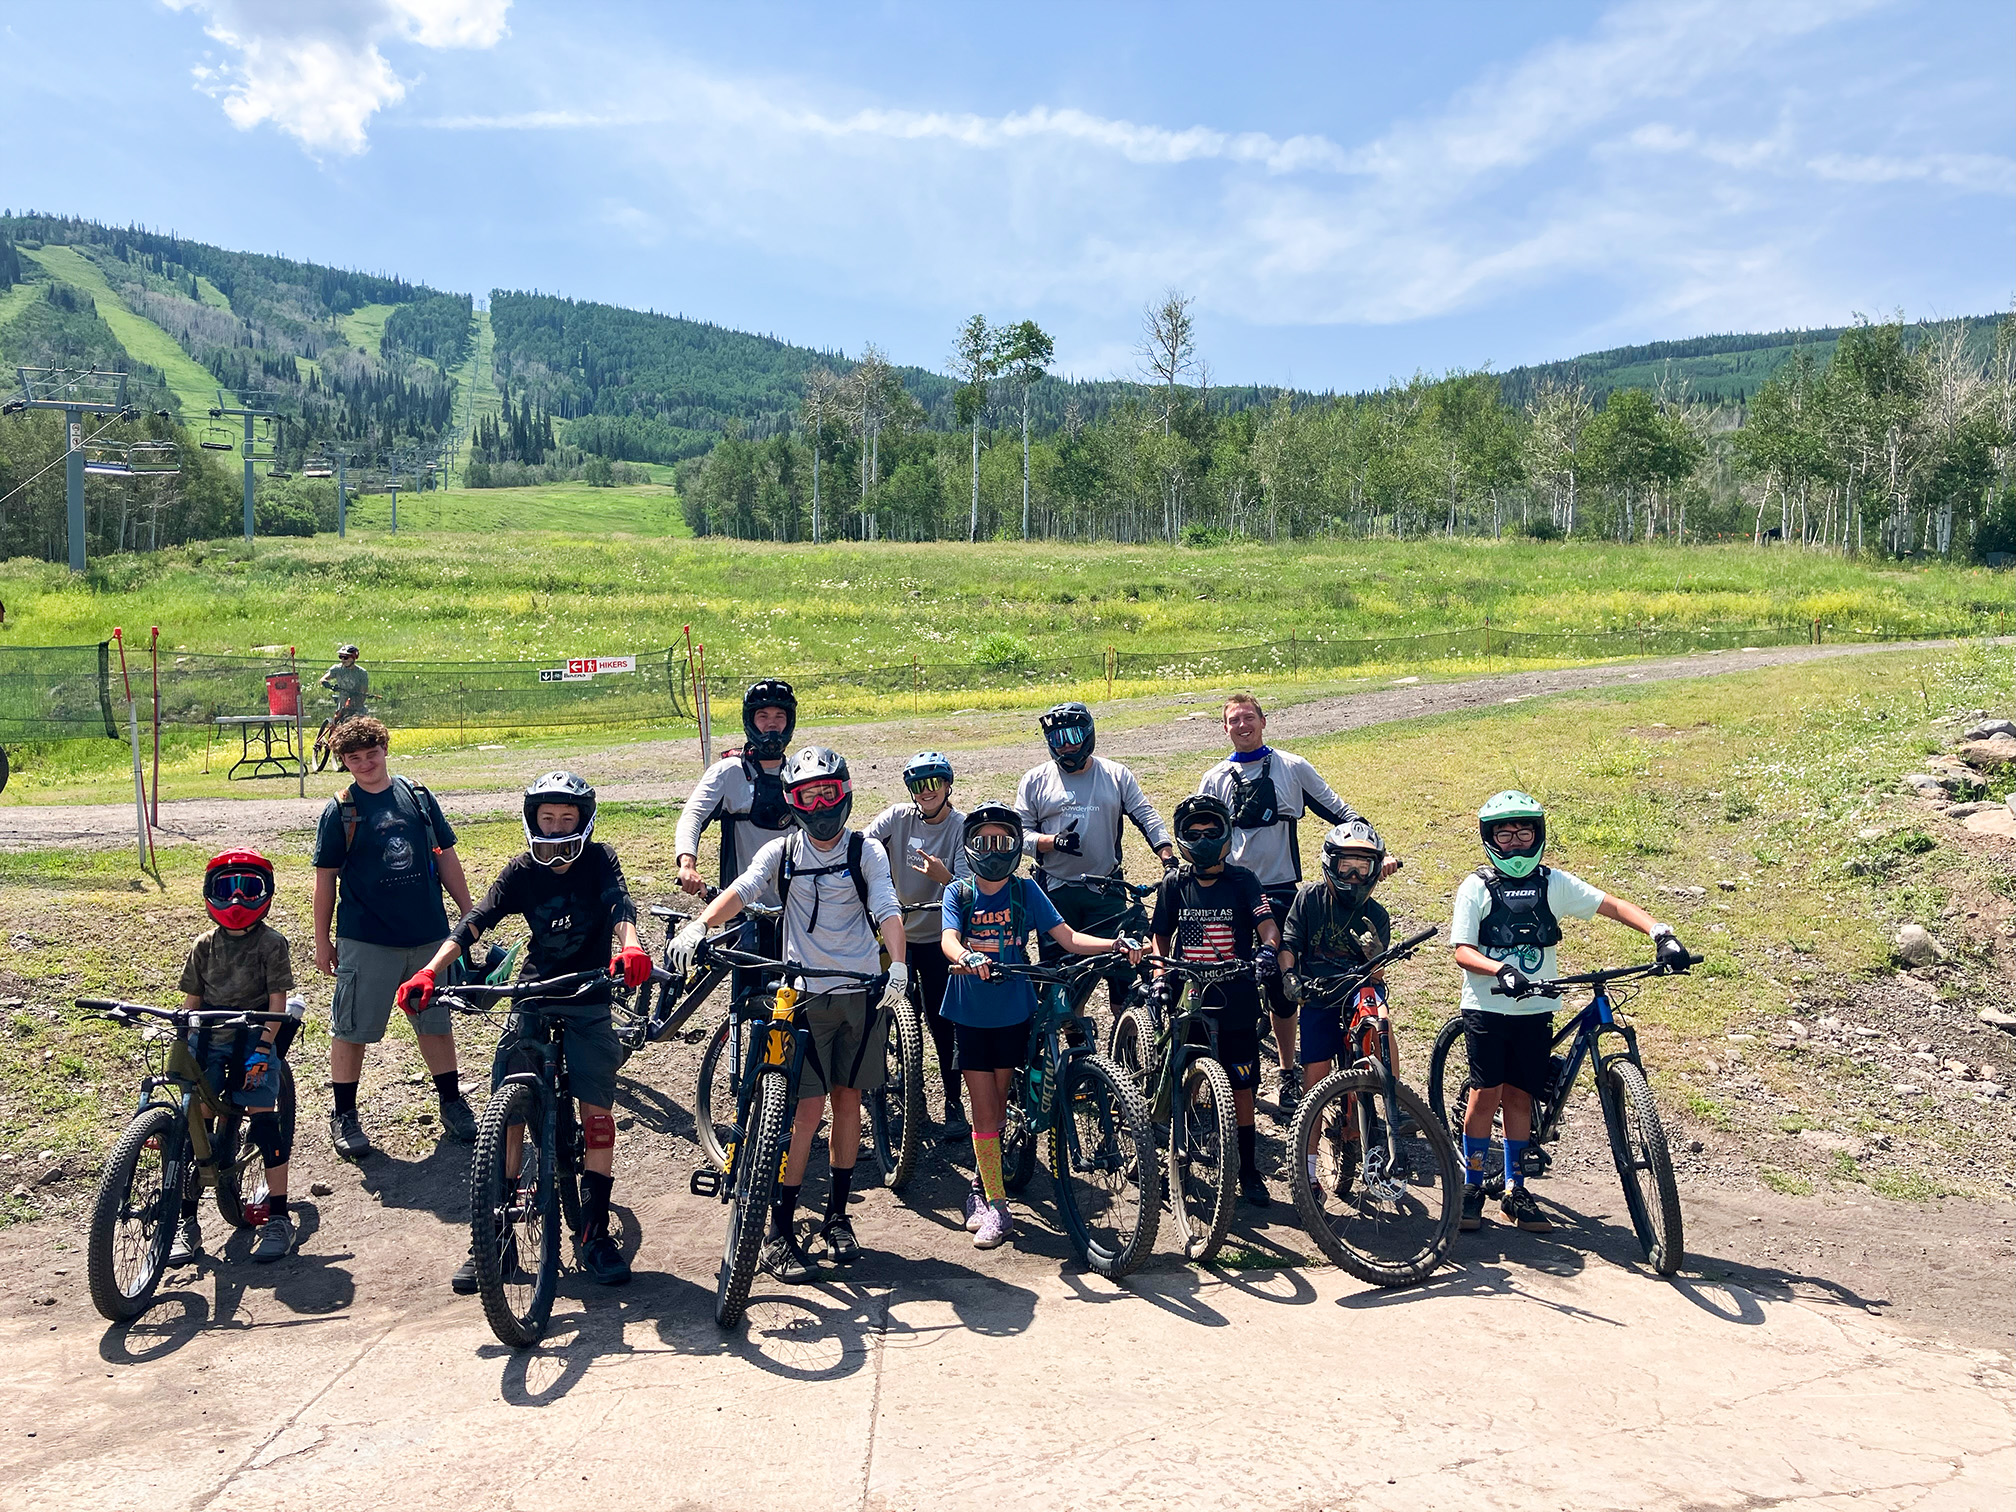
(238,888)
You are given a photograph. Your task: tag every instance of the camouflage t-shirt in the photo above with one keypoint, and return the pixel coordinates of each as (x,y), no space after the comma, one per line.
(238,971)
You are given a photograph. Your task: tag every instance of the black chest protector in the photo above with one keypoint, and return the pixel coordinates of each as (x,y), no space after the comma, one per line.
(767,808)
(1254,805)
(1519,914)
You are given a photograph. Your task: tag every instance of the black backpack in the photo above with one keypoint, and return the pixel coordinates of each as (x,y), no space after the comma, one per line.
(1254,804)
(346,811)
(856,844)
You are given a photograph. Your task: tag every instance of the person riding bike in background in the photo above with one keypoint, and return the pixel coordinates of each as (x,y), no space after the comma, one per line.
(1504,932)
(1268,791)
(834,889)
(923,840)
(744,792)
(1334,922)
(569,889)
(1210,911)
(348,681)
(240,965)
(985,921)
(1072,809)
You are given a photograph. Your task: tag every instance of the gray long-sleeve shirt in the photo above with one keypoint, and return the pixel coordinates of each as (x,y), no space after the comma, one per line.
(845,938)
(725,792)
(1099,798)
(1272,854)
(906,837)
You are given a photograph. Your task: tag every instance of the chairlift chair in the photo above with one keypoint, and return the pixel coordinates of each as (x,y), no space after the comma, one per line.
(217,437)
(317,467)
(106,459)
(153,459)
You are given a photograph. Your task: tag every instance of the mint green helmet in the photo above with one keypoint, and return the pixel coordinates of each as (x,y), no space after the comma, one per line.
(1510,805)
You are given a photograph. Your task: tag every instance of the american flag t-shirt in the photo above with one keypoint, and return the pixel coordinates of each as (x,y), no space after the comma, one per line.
(1205,934)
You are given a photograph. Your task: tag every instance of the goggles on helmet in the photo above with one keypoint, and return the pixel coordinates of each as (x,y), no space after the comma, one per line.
(998,843)
(558,850)
(1067,737)
(825,793)
(245,889)
(1349,869)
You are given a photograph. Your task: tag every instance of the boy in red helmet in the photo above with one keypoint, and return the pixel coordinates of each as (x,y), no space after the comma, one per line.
(241,966)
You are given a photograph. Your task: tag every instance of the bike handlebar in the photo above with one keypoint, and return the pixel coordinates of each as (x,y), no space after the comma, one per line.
(1058,973)
(1118,887)
(465,997)
(799,969)
(1353,977)
(121,1011)
(1200,971)
(1559,985)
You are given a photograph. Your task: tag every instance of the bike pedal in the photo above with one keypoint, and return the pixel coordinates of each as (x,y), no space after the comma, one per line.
(705,1183)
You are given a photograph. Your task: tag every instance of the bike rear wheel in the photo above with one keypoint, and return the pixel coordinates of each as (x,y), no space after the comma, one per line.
(1104,1162)
(1203,1158)
(133,1217)
(514,1220)
(714,1095)
(1644,1163)
(896,1108)
(322,752)
(1389,1219)
(758,1162)
(1018,1145)
(241,1170)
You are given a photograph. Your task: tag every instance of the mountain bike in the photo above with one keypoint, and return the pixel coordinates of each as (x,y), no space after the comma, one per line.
(323,748)
(1131,920)
(766,1101)
(1387,1190)
(525,1172)
(167,1144)
(1638,1147)
(1170,1050)
(661,1008)
(1101,1141)
(896,1116)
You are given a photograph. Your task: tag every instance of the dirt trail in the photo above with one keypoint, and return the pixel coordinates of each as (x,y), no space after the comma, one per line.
(990,744)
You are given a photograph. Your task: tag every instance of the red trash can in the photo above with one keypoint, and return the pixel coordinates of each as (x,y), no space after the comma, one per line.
(283,694)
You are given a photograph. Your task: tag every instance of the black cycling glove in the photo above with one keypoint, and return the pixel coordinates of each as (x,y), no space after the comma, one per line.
(1069,842)
(1512,981)
(1672,954)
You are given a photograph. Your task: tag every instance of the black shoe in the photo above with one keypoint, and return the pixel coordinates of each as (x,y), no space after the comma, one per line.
(458,1120)
(783,1259)
(841,1246)
(276,1238)
(188,1243)
(1253,1190)
(463,1282)
(1289,1096)
(955,1129)
(348,1136)
(1473,1210)
(604,1262)
(1518,1206)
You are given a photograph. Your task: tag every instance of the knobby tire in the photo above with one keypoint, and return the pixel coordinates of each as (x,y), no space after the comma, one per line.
(758,1163)
(896,1108)
(1018,1145)
(1391,1232)
(514,1221)
(132,1230)
(1104,1161)
(1203,1169)
(1644,1164)
(715,1090)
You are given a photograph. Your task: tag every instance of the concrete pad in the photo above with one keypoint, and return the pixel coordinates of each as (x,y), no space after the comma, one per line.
(1492,1387)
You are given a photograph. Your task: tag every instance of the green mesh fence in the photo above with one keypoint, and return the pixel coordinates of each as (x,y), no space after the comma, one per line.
(56,692)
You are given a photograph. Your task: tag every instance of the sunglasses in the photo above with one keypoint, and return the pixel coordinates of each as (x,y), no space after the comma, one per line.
(1209,832)
(813,796)
(237,887)
(1352,869)
(926,784)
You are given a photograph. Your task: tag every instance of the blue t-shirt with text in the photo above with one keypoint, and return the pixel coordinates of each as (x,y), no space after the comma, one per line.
(989,929)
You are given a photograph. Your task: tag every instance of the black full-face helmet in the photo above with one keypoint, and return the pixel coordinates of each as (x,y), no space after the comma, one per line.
(1203,827)
(558,787)
(993,857)
(770,693)
(1068,731)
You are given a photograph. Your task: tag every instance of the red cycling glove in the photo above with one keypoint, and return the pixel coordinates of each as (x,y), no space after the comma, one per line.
(633,964)
(417,991)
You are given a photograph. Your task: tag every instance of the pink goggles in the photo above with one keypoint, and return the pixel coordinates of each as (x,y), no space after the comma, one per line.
(824,793)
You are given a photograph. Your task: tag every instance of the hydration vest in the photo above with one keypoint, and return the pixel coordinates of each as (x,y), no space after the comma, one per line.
(1519,915)
(1254,804)
(767,806)
(856,842)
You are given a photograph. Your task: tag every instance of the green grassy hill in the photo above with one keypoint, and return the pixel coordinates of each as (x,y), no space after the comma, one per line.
(192,386)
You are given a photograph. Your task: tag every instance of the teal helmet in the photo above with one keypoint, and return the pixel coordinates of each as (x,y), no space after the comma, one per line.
(1500,807)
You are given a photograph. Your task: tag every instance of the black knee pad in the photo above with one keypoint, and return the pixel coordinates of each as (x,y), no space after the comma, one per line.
(267,1135)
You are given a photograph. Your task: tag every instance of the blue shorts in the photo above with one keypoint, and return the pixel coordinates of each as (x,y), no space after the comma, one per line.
(1322,1030)
(222,1054)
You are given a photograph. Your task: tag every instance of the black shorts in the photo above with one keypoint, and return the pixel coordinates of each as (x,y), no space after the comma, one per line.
(1508,1049)
(997,1047)
(1239,1042)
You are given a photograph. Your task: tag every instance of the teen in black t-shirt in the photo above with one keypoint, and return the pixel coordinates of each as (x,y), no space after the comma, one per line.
(1208,911)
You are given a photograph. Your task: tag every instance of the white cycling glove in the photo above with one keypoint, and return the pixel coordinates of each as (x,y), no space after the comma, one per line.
(899,984)
(686,947)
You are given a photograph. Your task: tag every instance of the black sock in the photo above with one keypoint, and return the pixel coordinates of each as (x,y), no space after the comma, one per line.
(784,1209)
(188,1207)
(346,1096)
(836,1200)
(448,1085)
(276,1206)
(1247,1165)
(595,1189)
(953,1109)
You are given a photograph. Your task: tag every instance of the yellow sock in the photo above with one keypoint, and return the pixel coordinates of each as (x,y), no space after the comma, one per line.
(987,1161)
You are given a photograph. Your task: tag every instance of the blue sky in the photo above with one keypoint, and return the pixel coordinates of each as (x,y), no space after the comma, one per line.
(1351,192)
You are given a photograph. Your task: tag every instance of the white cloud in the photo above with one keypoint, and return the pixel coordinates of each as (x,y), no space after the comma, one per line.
(1976,172)
(313,67)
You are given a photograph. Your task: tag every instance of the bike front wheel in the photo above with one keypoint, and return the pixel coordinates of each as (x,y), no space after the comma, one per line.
(1644,1163)
(896,1108)
(241,1170)
(1203,1158)
(133,1217)
(1018,1145)
(1104,1162)
(514,1216)
(714,1096)
(323,754)
(758,1163)
(1383,1204)
(1132,1041)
